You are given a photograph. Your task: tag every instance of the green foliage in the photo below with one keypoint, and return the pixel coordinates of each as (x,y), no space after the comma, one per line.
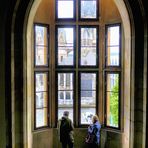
(114,103)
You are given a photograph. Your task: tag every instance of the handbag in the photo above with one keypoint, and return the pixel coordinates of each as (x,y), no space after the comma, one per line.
(90,138)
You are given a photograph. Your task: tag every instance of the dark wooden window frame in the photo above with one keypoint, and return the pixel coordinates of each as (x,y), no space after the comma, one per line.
(97,46)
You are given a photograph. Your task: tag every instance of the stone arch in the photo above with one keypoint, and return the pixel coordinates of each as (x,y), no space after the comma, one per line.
(127,84)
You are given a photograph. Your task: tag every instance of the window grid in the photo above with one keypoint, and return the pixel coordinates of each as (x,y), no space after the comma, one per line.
(113,99)
(41,76)
(77,69)
(41,102)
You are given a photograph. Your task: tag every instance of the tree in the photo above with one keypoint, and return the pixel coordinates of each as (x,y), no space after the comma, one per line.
(114,102)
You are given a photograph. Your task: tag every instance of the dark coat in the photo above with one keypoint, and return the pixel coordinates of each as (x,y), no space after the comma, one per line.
(65,130)
(95,128)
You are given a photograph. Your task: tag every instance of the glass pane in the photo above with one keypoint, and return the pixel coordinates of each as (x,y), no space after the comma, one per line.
(41,82)
(113,56)
(112,100)
(61,111)
(65,98)
(65,9)
(65,81)
(88,81)
(113,46)
(113,82)
(113,36)
(65,46)
(41,35)
(88,9)
(41,117)
(88,97)
(88,46)
(65,94)
(41,55)
(41,46)
(41,100)
(86,114)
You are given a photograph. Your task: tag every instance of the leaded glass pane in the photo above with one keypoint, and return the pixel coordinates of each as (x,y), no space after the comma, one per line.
(88,46)
(65,46)
(88,9)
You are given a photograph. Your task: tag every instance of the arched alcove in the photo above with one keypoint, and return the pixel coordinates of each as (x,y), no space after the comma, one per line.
(127,133)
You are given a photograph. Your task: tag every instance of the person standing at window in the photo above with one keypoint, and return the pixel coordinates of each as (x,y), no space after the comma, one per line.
(65,129)
(94,133)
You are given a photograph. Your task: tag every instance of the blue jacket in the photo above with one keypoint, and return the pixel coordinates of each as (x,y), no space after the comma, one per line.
(95,128)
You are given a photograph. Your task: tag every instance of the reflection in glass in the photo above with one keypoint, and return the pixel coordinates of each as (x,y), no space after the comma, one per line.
(65,46)
(65,9)
(41,46)
(113,45)
(88,9)
(112,91)
(41,99)
(88,46)
(88,97)
(65,94)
